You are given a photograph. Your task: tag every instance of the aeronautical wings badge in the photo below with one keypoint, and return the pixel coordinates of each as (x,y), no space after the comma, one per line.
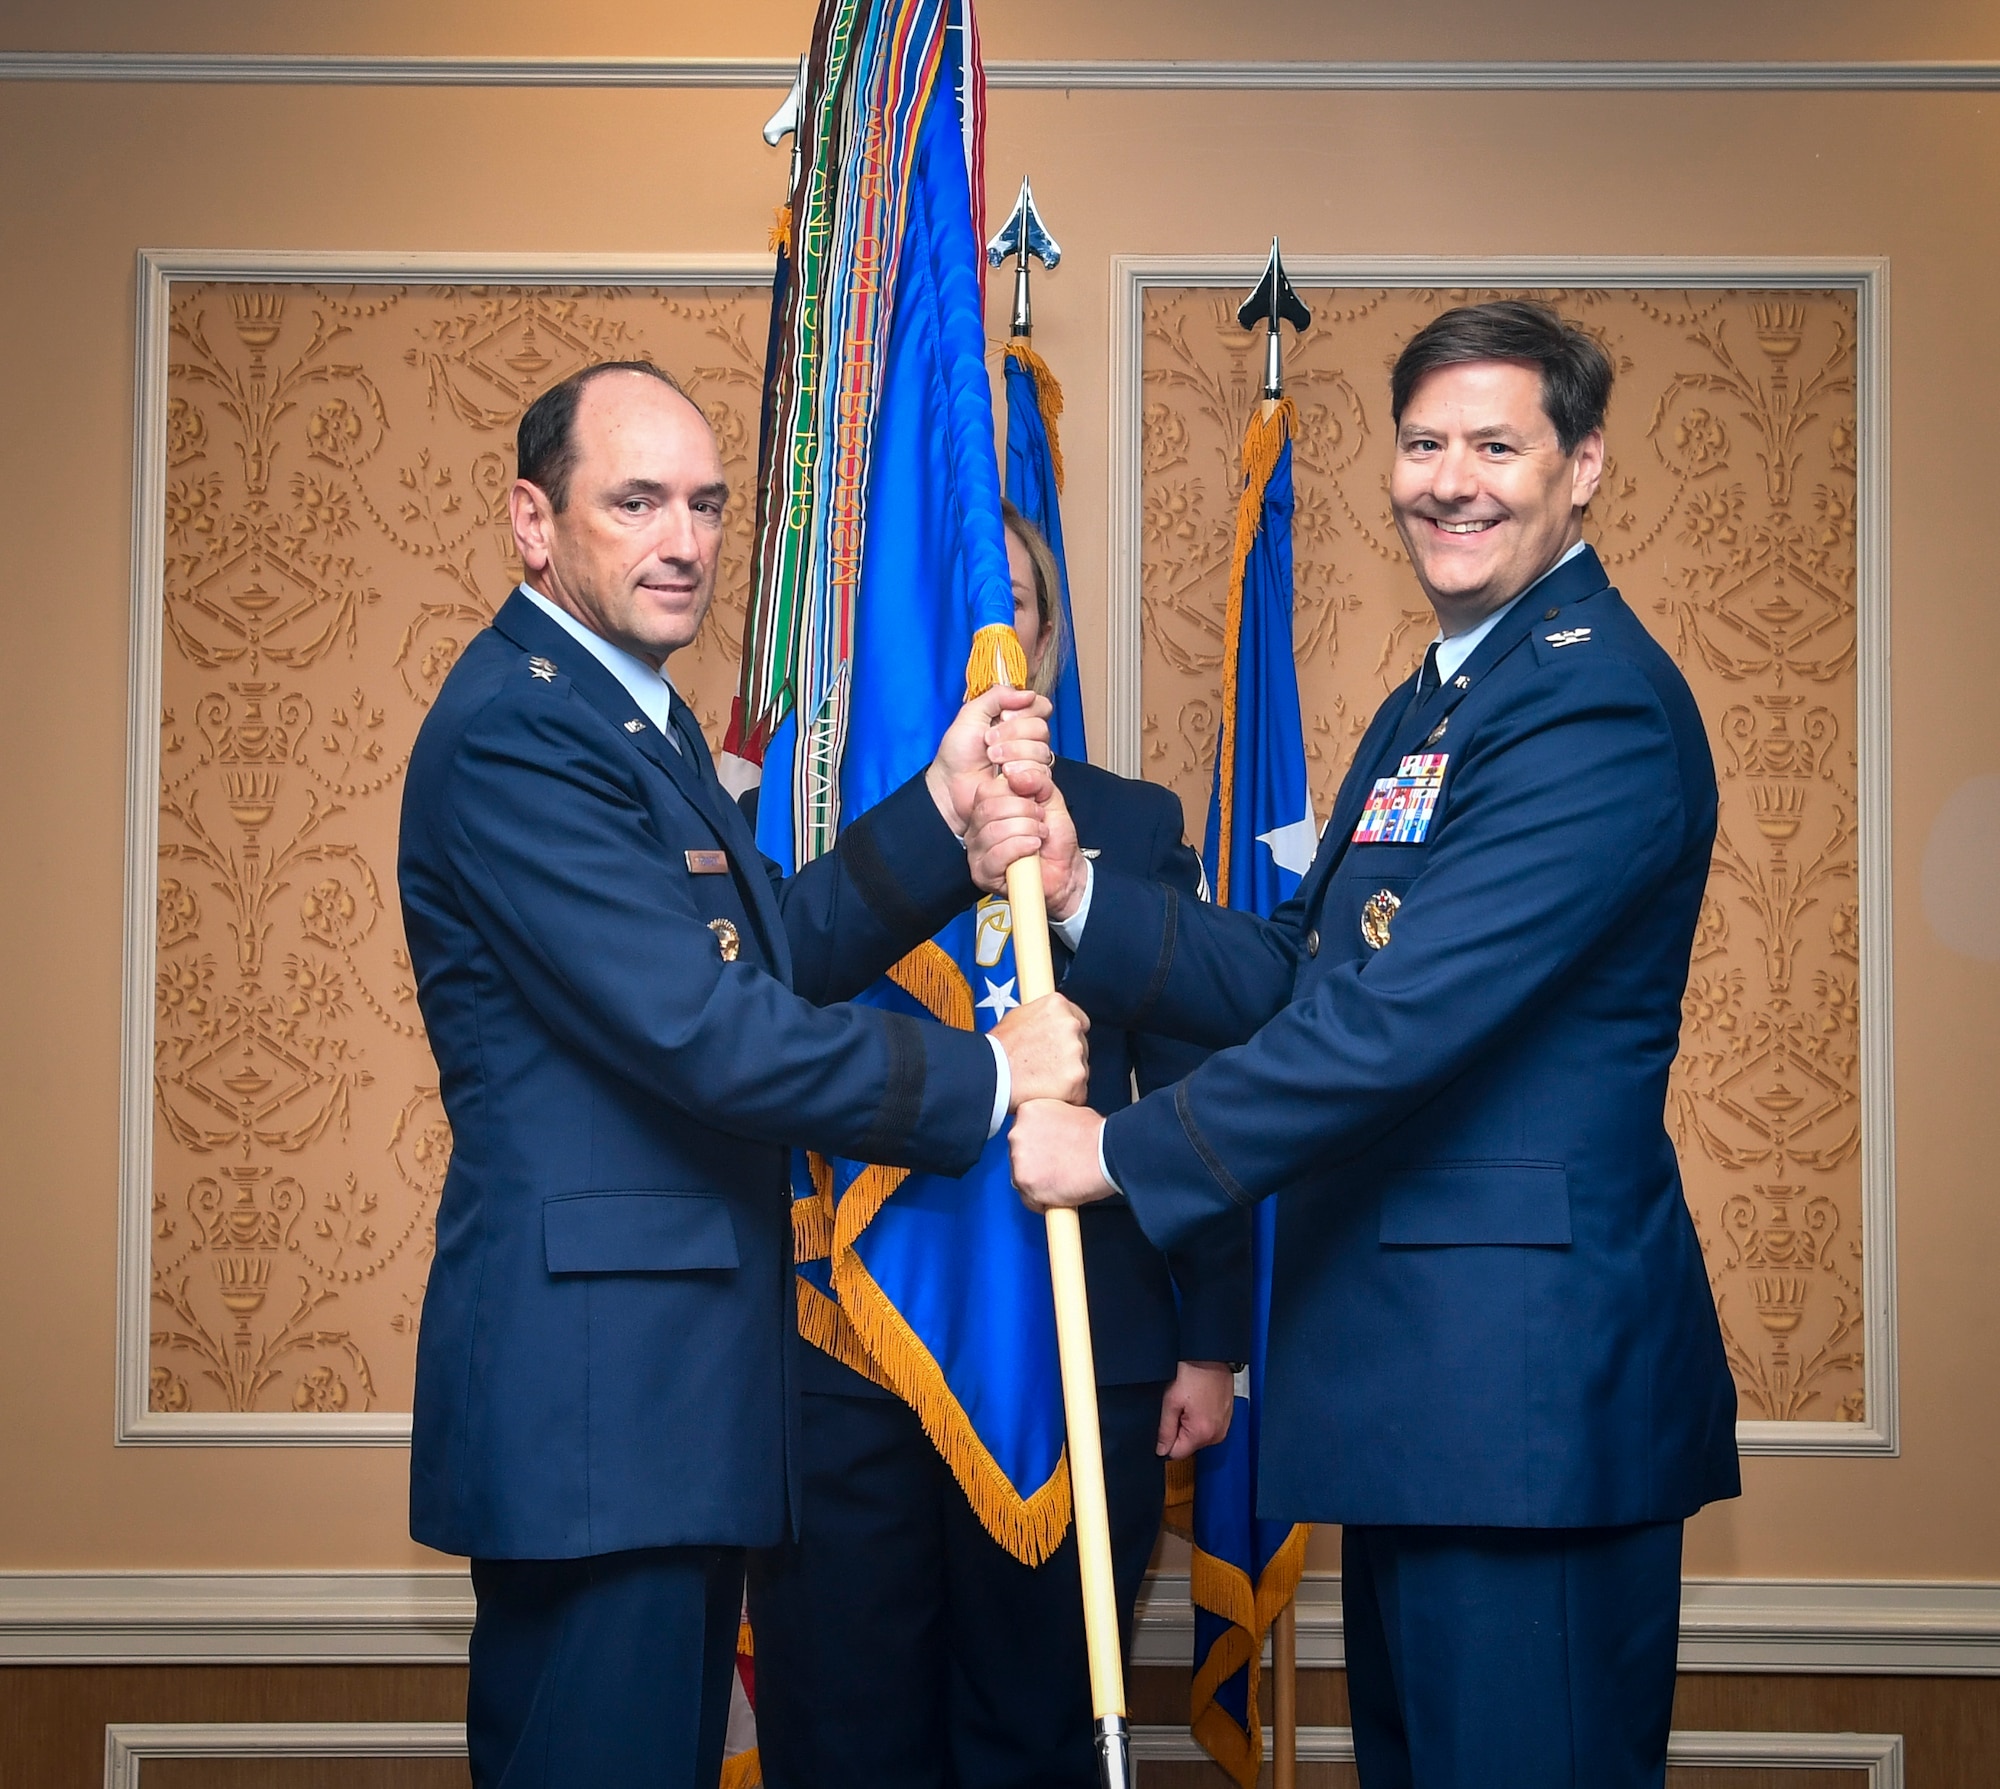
(1375,918)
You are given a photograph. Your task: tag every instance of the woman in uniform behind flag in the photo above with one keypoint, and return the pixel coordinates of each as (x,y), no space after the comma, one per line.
(899,1646)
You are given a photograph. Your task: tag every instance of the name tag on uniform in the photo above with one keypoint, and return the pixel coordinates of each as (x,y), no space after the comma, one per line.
(1399,807)
(708,863)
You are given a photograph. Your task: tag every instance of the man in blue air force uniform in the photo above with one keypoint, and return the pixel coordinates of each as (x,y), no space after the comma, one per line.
(1493,1353)
(630,1014)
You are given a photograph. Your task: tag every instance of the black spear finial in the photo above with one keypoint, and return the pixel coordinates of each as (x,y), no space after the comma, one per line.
(1274,302)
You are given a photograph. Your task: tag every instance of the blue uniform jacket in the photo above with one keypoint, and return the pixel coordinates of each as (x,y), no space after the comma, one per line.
(1488,1306)
(607,1355)
(1148,1311)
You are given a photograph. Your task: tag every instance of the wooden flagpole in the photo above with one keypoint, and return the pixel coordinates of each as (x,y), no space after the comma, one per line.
(1285,1698)
(1036,969)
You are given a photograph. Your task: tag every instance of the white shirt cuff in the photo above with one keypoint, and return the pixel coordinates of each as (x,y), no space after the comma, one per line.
(1003,1087)
(1070,930)
(1104,1167)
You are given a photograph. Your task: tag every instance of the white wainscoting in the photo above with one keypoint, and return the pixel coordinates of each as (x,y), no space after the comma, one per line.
(1875,1628)
(1132,276)
(127,1746)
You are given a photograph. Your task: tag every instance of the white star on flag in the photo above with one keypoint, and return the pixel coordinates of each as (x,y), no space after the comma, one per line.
(999,1001)
(1292,846)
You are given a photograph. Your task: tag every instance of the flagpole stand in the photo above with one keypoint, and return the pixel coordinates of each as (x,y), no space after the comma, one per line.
(1285,1698)
(1036,969)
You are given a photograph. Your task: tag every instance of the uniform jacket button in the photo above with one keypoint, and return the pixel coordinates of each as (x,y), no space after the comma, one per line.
(1312,942)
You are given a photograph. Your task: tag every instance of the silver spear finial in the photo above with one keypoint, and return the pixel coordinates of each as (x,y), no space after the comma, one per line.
(1022,235)
(784,122)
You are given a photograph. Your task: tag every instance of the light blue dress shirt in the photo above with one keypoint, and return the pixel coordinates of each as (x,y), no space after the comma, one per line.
(1455,651)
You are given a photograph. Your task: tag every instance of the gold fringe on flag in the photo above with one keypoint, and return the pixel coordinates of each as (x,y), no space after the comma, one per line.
(1225,1590)
(928,975)
(1270,428)
(824,1324)
(996,657)
(865,1331)
(1048,398)
(812,1228)
(1031,1527)
(781,231)
(744,1771)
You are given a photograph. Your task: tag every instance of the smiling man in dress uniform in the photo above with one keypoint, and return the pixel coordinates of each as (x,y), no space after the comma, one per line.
(634,1021)
(1493,1353)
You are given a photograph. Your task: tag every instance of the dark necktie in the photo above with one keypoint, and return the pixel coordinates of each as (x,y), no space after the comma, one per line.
(1427,678)
(682,731)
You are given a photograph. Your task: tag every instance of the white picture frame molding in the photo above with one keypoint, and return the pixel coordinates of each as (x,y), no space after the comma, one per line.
(1133,276)
(127,1745)
(158,271)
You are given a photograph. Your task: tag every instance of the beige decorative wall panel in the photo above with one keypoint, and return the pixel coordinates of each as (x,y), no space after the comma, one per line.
(331,530)
(1728,518)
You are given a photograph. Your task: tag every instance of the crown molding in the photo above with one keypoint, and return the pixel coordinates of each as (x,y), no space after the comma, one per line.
(1797,1626)
(1027,76)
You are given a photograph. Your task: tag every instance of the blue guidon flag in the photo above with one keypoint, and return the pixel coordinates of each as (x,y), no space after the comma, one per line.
(1034,487)
(880,599)
(1259,844)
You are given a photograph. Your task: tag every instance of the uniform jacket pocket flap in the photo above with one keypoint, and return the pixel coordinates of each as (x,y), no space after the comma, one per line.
(637,1232)
(1477,1202)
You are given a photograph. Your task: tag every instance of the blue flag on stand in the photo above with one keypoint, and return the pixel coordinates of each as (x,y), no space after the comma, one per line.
(881,599)
(1034,487)
(1259,843)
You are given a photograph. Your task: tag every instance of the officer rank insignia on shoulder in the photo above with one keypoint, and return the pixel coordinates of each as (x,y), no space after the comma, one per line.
(1399,807)
(1569,636)
(543,670)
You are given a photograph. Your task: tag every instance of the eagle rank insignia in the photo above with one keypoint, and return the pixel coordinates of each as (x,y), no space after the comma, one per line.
(727,938)
(543,670)
(1375,918)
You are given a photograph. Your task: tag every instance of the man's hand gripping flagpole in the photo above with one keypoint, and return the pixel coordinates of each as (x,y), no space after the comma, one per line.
(1036,968)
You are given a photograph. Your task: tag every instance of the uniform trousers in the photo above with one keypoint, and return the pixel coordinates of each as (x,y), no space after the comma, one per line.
(900,1647)
(604,1673)
(1511,1658)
